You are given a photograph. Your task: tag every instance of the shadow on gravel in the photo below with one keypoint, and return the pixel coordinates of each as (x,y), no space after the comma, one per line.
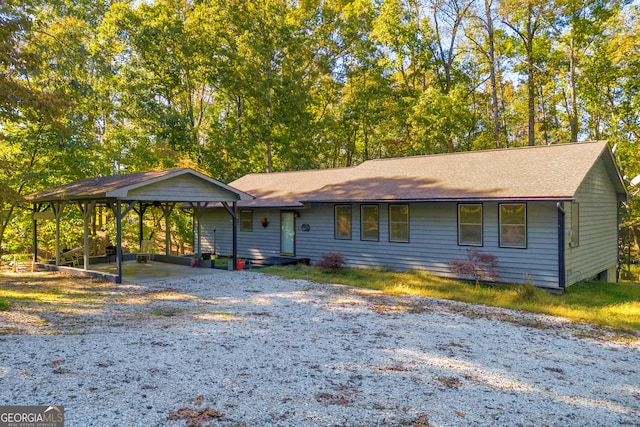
(54,303)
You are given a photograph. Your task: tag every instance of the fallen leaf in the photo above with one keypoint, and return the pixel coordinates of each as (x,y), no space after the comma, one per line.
(195,417)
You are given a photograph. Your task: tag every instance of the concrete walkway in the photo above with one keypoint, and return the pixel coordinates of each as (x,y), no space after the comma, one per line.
(133,271)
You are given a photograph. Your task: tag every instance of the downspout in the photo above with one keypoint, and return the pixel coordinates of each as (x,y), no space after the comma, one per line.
(620,254)
(562,274)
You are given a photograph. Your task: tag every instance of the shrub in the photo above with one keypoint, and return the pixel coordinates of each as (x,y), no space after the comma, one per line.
(479,265)
(526,292)
(331,261)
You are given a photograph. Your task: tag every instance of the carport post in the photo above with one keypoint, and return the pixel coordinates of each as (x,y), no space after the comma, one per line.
(235,234)
(199,217)
(86,207)
(233,211)
(35,234)
(198,209)
(119,215)
(119,241)
(57,208)
(166,209)
(39,213)
(141,210)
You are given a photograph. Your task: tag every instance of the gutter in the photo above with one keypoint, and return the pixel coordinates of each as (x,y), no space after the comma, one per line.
(447,200)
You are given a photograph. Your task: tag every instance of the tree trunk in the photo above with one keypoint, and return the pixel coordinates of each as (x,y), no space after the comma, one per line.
(492,74)
(531,88)
(268,155)
(365,135)
(267,128)
(4,221)
(573,121)
(450,147)
(239,112)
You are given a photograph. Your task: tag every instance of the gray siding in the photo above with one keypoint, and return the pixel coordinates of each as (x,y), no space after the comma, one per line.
(433,237)
(182,188)
(598,228)
(262,242)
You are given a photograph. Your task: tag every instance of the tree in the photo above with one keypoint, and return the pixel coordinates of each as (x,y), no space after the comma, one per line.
(442,121)
(28,112)
(526,18)
(237,86)
(159,84)
(448,17)
(482,34)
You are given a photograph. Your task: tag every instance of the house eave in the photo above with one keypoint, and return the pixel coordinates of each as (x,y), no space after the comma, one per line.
(68,199)
(256,204)
(449,200)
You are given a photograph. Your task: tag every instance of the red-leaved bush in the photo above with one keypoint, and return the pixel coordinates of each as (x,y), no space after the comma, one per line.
(331,261)
(479,265)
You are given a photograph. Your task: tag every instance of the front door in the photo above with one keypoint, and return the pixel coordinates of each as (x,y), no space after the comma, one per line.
(287,233)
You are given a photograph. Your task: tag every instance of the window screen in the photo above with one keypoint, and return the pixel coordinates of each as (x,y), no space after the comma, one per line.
(470,224)
(513,225)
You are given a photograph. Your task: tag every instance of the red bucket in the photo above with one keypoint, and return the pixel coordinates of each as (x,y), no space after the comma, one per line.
(239,264)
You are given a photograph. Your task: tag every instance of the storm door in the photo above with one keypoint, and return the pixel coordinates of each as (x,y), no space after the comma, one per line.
(287,233)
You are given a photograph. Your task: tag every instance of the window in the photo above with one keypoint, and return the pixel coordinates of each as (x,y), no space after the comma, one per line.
(470,224)
(398,223)
(369,227)
(513,225)
(246,220)
(575,225)
(342,227)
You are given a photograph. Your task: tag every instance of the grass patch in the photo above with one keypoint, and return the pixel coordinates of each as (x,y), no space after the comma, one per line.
(49,303)
(54,303)
(222,262)
(615,305)
(55,290)
(168,311)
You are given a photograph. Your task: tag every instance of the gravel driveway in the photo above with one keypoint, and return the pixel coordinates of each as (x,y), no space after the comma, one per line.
(248,349)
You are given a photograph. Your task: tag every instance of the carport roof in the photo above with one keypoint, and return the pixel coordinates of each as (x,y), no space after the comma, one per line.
(132,187)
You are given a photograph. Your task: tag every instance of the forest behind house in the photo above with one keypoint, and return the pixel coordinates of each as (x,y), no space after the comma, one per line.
(229,87)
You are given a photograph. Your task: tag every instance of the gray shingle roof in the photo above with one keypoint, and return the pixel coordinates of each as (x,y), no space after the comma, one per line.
(99,187)
(115,186)
(530,173)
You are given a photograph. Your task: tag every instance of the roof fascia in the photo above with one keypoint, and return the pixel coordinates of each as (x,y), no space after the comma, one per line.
(452,200)
(613,170)
(96,198)
(305,204)
(270,206)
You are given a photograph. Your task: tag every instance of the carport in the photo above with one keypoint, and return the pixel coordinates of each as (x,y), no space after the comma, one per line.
(138,191)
